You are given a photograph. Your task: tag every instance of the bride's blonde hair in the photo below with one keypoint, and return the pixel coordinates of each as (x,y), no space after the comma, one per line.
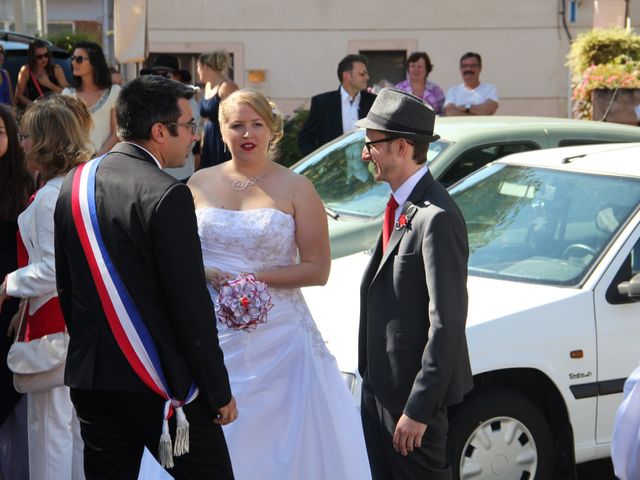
(265,108)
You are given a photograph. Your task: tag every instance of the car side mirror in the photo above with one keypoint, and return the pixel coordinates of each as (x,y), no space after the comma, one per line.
(631,288)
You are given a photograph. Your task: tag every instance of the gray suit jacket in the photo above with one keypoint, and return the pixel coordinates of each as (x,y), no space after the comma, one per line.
(413,308)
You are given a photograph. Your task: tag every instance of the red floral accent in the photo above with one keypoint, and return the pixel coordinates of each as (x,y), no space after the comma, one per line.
(402,222)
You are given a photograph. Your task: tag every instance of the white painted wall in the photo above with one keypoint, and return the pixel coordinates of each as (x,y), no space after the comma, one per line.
(299,42)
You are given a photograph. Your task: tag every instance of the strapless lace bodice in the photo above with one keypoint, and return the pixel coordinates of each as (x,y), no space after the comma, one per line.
(249,240)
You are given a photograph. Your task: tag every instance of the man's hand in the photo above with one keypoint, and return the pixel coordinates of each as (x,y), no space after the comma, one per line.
(227,414)
(408,435)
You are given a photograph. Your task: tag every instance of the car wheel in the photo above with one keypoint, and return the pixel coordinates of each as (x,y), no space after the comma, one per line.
(499,433)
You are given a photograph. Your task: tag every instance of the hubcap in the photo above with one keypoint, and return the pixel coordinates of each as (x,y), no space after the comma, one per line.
(499,448)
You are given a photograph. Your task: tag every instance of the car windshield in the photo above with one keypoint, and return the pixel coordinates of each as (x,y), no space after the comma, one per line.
(541,225)
(343,180)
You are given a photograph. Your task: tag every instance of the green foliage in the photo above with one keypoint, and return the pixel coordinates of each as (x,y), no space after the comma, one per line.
(68,40)
(289,153)
(602,46)
(602,58)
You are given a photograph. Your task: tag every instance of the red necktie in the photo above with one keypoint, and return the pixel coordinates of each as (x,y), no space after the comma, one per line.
(389,220)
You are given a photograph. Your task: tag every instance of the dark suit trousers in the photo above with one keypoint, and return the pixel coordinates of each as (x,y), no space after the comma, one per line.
(425,463)
(116,426)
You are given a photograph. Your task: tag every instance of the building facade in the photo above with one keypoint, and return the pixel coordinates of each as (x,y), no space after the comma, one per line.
(289,49)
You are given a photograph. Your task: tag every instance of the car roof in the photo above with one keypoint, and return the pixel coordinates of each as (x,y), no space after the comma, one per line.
(619,159)
(454,128)
(13,41)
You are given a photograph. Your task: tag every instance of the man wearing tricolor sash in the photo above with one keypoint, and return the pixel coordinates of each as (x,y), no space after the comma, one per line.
(144,364)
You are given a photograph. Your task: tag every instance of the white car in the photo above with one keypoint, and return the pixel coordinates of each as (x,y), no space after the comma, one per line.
(553,325)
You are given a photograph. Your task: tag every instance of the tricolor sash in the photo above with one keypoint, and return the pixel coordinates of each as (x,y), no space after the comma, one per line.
(128,328)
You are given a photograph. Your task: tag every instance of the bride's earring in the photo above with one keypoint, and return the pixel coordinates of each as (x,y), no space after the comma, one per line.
(224,147)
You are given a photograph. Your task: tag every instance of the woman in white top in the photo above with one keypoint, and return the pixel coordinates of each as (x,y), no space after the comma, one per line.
(92,84)
(54,143)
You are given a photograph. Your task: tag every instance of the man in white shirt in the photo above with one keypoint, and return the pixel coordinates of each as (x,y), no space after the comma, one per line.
(334,113)
(471,97)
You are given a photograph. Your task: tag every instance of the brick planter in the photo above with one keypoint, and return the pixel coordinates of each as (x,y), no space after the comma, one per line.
(618,106)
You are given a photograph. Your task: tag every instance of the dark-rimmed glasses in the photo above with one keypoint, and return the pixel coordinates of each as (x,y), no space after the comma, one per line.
(192,125)
(367,145)
(78,58)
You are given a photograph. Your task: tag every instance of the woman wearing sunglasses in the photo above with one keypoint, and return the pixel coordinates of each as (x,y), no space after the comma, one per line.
(92,84)
(40,76)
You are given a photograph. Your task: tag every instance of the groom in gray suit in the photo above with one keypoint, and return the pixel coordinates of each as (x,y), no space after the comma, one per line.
(413,353)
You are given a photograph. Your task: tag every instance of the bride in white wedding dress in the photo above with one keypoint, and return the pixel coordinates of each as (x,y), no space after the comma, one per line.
(296,419)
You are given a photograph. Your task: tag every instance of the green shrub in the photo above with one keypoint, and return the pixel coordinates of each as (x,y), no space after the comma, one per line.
(601,46)
(68,40)
(602,58)
(289,153)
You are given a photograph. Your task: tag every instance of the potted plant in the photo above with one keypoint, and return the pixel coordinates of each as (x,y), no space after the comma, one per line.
(605,65)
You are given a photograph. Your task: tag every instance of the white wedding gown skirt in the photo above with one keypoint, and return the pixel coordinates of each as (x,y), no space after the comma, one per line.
(297,419)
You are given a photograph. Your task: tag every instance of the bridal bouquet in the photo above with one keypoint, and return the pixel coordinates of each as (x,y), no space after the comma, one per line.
(243,302)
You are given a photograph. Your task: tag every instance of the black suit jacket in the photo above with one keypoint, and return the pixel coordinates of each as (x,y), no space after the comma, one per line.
(412,342)
(148,224)
(325,119)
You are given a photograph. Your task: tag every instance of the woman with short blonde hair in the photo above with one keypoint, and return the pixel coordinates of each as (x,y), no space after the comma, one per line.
(57,140)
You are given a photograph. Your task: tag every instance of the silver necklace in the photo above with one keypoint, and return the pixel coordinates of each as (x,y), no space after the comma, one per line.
(239,185)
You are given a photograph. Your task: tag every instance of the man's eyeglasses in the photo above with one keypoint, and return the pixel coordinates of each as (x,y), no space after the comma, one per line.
(79,58)
(367,145)
(469,65)
(192,125)
(22,137)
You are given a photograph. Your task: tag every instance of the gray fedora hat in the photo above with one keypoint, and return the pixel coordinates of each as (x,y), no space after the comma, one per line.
(401,114)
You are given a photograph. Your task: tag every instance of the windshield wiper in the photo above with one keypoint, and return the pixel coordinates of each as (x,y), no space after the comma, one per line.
(333,214)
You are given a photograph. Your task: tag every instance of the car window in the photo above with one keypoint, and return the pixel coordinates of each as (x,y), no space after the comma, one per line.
(540,225)
(583,141)
(474,159)
(344,182)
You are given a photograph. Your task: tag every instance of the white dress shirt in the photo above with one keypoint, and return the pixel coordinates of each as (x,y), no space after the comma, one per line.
(349,109)
(402,193)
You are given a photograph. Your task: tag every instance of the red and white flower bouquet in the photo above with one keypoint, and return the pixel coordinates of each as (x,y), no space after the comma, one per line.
(243,302)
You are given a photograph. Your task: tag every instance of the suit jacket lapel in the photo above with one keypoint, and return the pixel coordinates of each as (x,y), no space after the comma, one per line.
(417,195)
(336,112)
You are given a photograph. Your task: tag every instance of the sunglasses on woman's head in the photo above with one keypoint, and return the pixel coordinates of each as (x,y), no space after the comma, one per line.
(78,58)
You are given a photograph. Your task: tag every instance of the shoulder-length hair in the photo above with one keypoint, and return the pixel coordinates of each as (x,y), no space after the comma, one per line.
(58,142)
(16,184)
(31,56)
(101,73)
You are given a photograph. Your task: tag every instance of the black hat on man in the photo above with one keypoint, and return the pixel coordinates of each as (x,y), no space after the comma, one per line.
(169,63)
(401,114)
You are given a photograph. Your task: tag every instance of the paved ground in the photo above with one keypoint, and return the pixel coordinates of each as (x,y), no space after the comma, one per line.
(598,470)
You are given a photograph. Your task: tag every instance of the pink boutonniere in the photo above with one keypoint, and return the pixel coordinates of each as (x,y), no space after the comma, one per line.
(404,221)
